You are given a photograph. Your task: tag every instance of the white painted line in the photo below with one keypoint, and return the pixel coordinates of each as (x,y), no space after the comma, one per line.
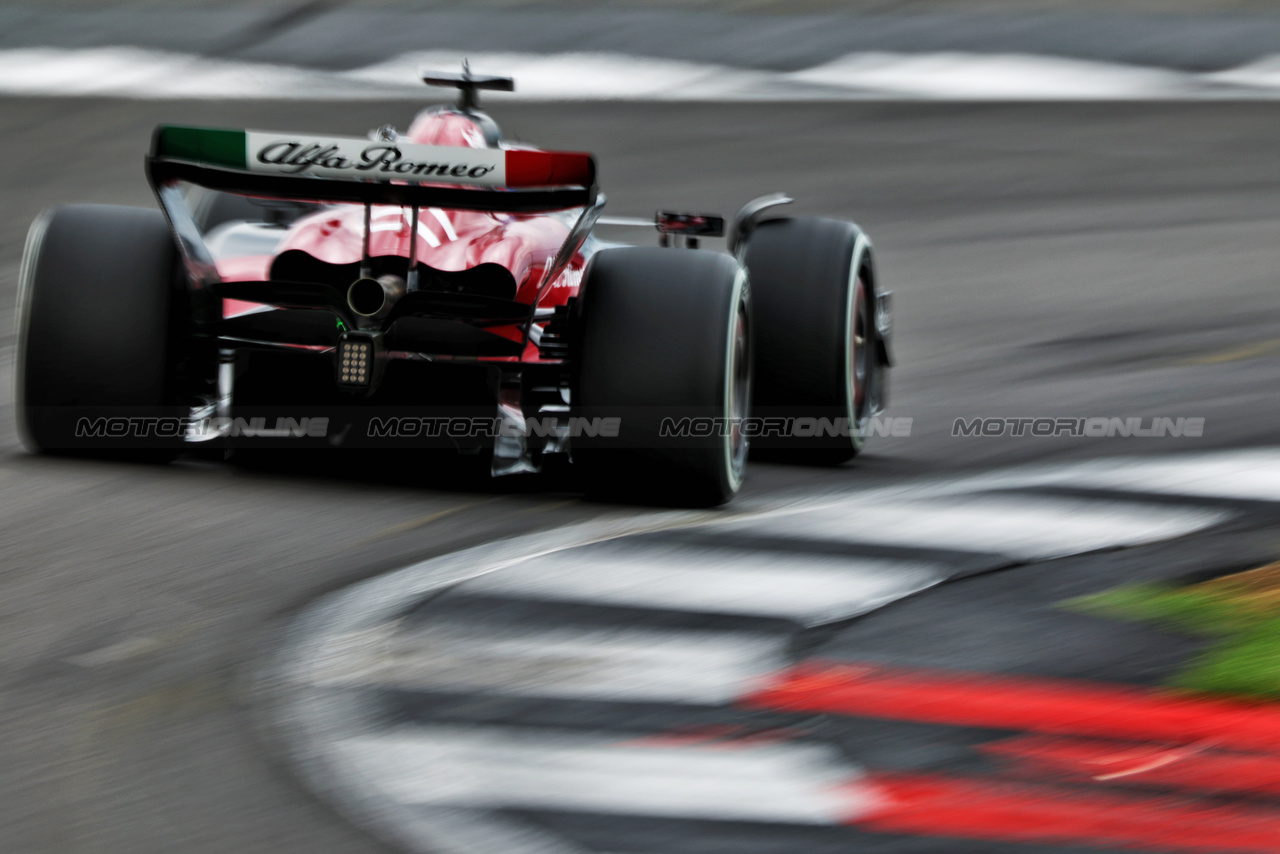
(130,72)
(417,786)
(589,664)
(580,76)
(808,589)
(1002,77)
(1249,475)
(1262,74)
(1022,527)
(137,73)
(499,768)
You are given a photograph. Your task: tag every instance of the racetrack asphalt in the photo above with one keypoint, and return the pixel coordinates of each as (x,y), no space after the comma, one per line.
(1064,260)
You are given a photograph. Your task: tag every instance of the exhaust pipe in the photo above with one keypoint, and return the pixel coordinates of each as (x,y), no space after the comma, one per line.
(375,297)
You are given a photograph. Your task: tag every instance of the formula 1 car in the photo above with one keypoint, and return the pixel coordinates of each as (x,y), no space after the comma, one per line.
(443,287)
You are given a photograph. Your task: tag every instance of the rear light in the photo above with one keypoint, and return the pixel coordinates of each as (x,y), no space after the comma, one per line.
(355,357)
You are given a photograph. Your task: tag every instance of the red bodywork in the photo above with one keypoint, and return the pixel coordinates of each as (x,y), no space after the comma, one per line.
(447,240)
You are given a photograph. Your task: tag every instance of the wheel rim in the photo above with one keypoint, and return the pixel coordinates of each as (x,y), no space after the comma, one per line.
(859,351)
(739,392)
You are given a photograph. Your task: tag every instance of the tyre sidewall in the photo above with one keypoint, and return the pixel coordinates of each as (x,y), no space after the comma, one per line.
(655,336)
(95,324)
(807,275)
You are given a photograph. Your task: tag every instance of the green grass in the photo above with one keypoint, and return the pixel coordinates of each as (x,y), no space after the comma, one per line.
(1244,660)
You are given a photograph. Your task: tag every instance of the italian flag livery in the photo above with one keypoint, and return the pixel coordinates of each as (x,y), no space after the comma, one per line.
(358,159)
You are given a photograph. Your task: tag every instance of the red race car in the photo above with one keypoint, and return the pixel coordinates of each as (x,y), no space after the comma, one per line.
(443,287)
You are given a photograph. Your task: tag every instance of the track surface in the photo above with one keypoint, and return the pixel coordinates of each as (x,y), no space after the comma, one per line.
(1069,260)
(772,34)
(689,690)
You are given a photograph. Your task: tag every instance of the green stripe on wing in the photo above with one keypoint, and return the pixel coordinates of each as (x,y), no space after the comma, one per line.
(208,146)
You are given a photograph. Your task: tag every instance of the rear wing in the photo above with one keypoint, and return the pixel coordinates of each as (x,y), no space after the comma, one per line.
(371,172)
(358,170)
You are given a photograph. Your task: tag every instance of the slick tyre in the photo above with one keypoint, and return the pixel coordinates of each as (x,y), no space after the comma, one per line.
(94,330)
(663,337)
(816,360)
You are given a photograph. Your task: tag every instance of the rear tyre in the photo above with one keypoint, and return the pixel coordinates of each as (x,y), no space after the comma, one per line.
(94,329)
(663,335)
(816,359)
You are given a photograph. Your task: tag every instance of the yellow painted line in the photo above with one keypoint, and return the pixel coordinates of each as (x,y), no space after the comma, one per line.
(1252,351)
(548,505)
(412,524)
(402,527)
(116,653)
